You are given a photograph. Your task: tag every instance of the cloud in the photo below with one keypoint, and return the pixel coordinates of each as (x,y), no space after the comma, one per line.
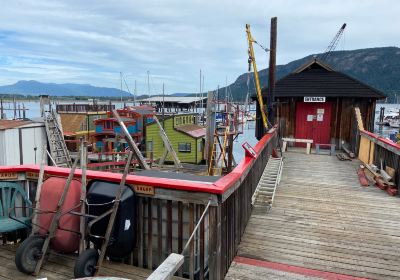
(92,41)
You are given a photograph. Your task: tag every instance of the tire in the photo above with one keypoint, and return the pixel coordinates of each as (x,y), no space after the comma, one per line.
(28,254)
(85,264)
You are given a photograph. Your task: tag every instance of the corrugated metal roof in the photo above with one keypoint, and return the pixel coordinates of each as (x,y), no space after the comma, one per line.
(174,99)
(7,124)
(193,130)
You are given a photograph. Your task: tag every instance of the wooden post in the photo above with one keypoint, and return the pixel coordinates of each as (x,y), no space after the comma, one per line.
(38,190)
(180,232)
(160,257)
(272,71)
(230,153)
(82,226)
(191,245)
(220,273)
(210,124)
(149,233)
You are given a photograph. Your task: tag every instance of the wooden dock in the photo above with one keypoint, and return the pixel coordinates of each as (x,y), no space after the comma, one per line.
(59,266)
(323,225)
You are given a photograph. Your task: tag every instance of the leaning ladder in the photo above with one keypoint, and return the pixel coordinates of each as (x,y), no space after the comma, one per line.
(58,148)
(265,191)
(168,146)
(215,168)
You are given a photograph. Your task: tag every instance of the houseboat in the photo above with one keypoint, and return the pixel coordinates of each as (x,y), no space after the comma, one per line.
(184,133)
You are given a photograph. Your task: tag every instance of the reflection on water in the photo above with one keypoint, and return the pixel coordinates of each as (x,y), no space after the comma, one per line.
(249,136)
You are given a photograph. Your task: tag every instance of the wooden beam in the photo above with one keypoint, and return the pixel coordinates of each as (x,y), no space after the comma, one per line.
(168,268)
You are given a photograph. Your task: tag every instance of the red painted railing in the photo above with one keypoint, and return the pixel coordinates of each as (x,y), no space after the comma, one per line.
(381,139)
(218,187)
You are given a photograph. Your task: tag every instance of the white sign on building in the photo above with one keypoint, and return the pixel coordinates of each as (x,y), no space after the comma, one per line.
(314,98)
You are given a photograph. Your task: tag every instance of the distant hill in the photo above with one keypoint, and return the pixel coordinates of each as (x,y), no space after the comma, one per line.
(180,94)
(37,88)
(377,67)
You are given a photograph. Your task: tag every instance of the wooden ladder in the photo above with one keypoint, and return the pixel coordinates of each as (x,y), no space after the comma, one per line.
(57,145)
(265,191)
(214,167)
(168,146)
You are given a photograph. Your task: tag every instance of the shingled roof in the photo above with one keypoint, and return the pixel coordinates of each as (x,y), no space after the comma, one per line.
(318,79)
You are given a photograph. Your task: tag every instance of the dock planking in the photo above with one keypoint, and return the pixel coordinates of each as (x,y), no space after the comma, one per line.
(323,220)
(59,266)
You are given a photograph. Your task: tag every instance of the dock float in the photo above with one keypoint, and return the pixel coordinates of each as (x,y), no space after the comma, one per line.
(323,225)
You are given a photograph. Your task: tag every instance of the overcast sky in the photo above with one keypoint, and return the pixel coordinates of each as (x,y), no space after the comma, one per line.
(92,41)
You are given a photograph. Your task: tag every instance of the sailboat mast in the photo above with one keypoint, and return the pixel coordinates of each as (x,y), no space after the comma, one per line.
(148,84)
(134,96)
(120,76)
(200,93)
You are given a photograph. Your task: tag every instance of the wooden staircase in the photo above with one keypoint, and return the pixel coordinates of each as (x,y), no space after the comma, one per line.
(263,196)
(58,148)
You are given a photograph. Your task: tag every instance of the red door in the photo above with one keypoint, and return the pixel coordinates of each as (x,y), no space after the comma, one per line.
(313,121)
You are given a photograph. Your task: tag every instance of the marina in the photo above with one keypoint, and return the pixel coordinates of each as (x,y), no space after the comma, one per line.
(297,177)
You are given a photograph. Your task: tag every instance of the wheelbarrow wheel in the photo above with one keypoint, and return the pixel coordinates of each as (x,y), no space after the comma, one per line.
(29,253)
(85,264)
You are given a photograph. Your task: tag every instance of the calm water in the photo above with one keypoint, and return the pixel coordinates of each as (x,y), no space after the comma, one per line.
(385,131)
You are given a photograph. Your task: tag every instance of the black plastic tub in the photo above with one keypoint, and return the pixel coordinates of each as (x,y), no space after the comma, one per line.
(100,198)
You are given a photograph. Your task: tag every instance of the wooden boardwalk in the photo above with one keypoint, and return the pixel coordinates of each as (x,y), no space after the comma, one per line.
(62,267)
(322,220)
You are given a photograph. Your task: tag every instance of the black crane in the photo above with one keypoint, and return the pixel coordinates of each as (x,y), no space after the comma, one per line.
(333,44)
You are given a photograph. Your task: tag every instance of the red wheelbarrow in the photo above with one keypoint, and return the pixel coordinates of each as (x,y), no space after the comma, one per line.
(58,218)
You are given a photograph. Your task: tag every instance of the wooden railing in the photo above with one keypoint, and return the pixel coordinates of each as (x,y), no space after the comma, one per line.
(169,209)
(374,149)
(84,108)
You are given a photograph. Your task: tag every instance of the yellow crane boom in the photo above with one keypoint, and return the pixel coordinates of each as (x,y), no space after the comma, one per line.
(252,60)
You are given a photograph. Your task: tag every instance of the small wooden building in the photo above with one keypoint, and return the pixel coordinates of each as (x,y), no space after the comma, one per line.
(185,135)
(21,142)
(316,102)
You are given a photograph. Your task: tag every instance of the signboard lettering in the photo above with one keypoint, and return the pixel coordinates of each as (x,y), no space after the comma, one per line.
(147,190)
(8,175)
(32,175)
(314,99)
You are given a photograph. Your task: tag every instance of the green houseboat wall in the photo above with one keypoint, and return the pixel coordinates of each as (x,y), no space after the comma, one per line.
(155,145)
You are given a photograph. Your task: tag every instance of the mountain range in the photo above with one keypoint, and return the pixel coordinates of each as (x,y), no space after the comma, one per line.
(35,88)
(377,67)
